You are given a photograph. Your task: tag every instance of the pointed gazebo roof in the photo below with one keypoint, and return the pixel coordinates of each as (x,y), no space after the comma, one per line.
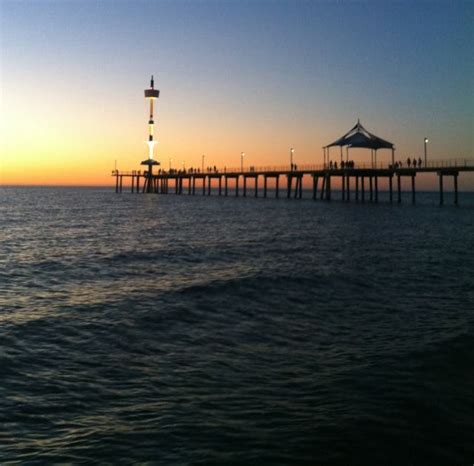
(358,136)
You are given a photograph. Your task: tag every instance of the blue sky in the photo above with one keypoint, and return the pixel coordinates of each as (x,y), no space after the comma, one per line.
(234,74)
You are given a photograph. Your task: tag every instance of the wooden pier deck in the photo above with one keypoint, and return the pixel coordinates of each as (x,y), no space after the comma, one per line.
(359,183)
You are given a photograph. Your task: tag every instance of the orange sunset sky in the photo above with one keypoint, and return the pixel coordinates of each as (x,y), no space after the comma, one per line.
(258,77)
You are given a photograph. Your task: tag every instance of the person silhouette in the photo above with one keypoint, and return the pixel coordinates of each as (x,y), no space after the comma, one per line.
(408,162)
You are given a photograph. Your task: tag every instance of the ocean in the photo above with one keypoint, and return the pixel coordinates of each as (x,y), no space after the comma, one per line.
(183,330)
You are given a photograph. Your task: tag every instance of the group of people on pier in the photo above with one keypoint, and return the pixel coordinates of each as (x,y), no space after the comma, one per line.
(409,163)
(346,164)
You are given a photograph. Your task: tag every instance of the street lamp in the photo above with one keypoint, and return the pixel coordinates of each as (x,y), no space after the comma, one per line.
(426,150)
(292,151)
(203,157)
(242,155)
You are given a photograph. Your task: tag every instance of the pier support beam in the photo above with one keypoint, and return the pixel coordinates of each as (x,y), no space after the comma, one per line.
(138,184)
(277,186)
(315,186)
(390,187)
(328,188)
(376,188)
(413,188)
(362,188)
(323,188)
(256,186)
(348,190)
(456,189)
(441,194)
(116,183)
(357,187)
(290,179)
(399,187)
(371,189)
(343,179)
(237,186)
(265,186)
(220,185)
(245,186)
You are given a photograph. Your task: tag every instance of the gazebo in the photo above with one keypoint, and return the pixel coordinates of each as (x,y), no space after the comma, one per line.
(359,137)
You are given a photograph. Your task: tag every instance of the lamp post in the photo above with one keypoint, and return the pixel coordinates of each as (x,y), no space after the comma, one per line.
(203,157)
(292,151)
(426,150)
(242,155)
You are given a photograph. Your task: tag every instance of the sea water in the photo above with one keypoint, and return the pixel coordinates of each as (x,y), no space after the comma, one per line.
(204,330)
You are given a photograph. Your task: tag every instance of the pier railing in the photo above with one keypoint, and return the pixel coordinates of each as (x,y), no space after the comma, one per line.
(249,170)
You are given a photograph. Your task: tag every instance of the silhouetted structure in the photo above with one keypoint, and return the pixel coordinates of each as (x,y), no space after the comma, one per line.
(359,137)
(353,180)
(151,94)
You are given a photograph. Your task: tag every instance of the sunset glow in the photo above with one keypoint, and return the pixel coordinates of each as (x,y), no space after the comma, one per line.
(73,75)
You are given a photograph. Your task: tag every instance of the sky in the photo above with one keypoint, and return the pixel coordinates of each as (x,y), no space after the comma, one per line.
(252,76)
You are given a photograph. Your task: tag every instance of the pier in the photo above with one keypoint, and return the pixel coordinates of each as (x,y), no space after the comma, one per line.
(359,183)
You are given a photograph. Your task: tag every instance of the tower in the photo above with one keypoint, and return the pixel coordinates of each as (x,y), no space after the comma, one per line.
(150,94)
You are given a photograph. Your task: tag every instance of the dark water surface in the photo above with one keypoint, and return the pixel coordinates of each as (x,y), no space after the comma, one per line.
(190,330)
